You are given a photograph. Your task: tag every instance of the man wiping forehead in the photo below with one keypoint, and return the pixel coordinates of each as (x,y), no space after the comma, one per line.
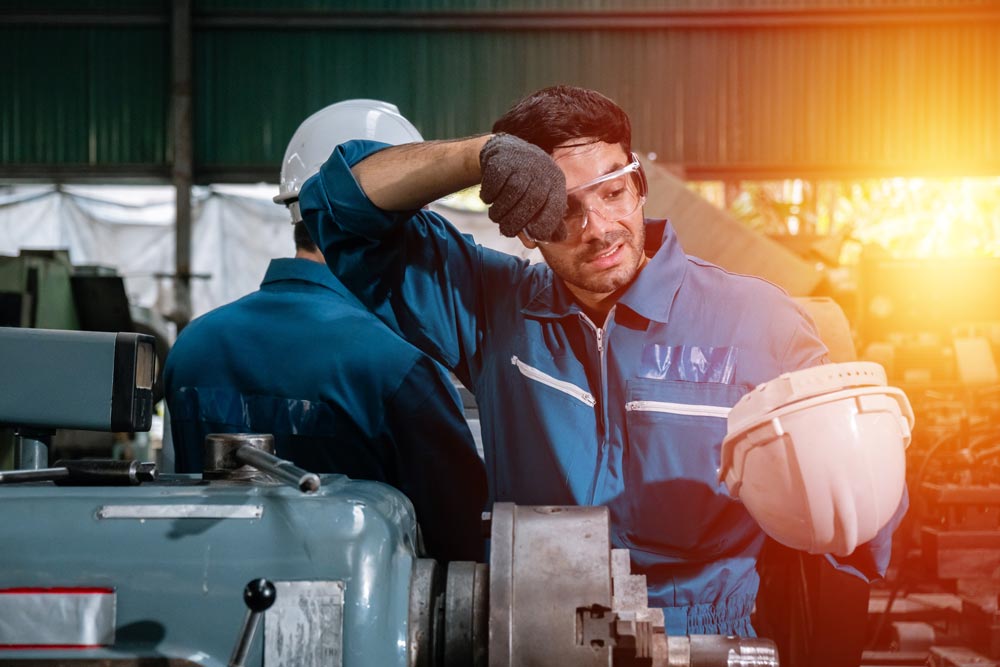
(603,376)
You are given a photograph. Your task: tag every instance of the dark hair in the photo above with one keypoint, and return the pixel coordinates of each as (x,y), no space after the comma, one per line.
(557,115)
(302,239)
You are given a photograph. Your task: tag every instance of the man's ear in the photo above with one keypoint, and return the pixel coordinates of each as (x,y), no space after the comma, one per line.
(526,242)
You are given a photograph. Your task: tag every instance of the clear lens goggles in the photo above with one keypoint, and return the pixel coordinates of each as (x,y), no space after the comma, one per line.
(613,196)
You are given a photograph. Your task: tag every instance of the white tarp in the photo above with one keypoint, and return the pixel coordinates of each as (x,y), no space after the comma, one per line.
(236,231)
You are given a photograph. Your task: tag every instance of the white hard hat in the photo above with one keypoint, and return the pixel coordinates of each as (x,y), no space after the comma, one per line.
(321,132)
(817,455)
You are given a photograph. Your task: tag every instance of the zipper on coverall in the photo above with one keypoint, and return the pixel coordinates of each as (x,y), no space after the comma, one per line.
(600,467)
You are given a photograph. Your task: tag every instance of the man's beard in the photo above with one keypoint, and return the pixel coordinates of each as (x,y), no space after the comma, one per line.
(571,268)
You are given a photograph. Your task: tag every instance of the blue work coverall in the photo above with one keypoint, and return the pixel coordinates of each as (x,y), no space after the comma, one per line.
(340,392)
(629,413)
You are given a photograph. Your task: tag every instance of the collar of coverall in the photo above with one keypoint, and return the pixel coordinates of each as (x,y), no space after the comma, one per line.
(650,295)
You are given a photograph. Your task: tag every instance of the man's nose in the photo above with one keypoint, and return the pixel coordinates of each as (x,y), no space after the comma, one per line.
(597,224)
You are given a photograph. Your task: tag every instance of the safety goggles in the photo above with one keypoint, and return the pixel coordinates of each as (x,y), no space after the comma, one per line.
(612,196)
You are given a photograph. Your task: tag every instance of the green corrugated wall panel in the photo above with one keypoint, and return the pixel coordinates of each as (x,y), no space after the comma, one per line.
(84,95)
(910,97)
(254,89)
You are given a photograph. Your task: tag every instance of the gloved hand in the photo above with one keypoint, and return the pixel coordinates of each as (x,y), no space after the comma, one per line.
(524,187)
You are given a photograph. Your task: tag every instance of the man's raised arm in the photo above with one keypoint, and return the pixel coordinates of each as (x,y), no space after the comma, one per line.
(520,181)
(410,176)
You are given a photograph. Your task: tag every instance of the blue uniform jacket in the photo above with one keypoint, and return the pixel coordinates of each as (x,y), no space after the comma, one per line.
(629,413)
(341,392)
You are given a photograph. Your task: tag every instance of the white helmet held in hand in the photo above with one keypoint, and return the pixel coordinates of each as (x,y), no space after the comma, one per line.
(323,131)
(817,456)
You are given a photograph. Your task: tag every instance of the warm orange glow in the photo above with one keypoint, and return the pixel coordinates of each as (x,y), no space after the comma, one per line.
(907,218)
(921,218)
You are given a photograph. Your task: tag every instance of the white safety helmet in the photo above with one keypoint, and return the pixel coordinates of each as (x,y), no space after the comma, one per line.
(817,455)
(323,131)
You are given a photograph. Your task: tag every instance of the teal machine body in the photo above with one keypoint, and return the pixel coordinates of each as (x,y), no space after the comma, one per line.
(175,555)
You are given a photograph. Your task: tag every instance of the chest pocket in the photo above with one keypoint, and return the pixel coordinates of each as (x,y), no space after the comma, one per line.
(675,505)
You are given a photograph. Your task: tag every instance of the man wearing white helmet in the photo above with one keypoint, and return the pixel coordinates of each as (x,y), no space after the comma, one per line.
(604,377)
(302,359)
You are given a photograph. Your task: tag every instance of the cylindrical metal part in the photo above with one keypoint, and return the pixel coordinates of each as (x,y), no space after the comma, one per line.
(481,616)
(913,637)
(37,475)
(245,638)
(546,565)
(466,617)
(31,449)
(249,457)
(286,471)
(220,460)
(501,577)
(106,472)
(426,585)
(678,651)
(720,650)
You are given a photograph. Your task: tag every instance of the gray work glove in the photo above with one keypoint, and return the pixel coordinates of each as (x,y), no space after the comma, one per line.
(524,187)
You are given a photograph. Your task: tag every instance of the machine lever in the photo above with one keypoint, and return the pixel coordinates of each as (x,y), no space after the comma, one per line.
(258,596)
(107,472)
(39,475)
(86,472)
(286,471)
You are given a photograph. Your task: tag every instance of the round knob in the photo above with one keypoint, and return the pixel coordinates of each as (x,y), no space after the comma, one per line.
(259,595)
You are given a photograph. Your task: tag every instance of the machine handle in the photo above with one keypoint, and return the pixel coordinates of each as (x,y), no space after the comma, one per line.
(286,471)
(33,475)
(107,472)
(258,595)
(86,472)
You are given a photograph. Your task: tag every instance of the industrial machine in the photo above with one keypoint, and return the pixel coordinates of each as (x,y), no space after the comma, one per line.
(42,289)
(940,602)
(109,564)
(935,325)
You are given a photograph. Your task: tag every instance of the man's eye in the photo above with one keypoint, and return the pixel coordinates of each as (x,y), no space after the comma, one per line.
(615,194)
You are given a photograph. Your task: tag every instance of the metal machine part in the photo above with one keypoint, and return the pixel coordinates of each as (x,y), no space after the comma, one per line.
(107,472)
(71,616)
(250,457)
(556,593)
(44,370)
(86,472)
(50,366)
(258,596)
(33,475)
(305,627)
(543,561)
(177,553)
